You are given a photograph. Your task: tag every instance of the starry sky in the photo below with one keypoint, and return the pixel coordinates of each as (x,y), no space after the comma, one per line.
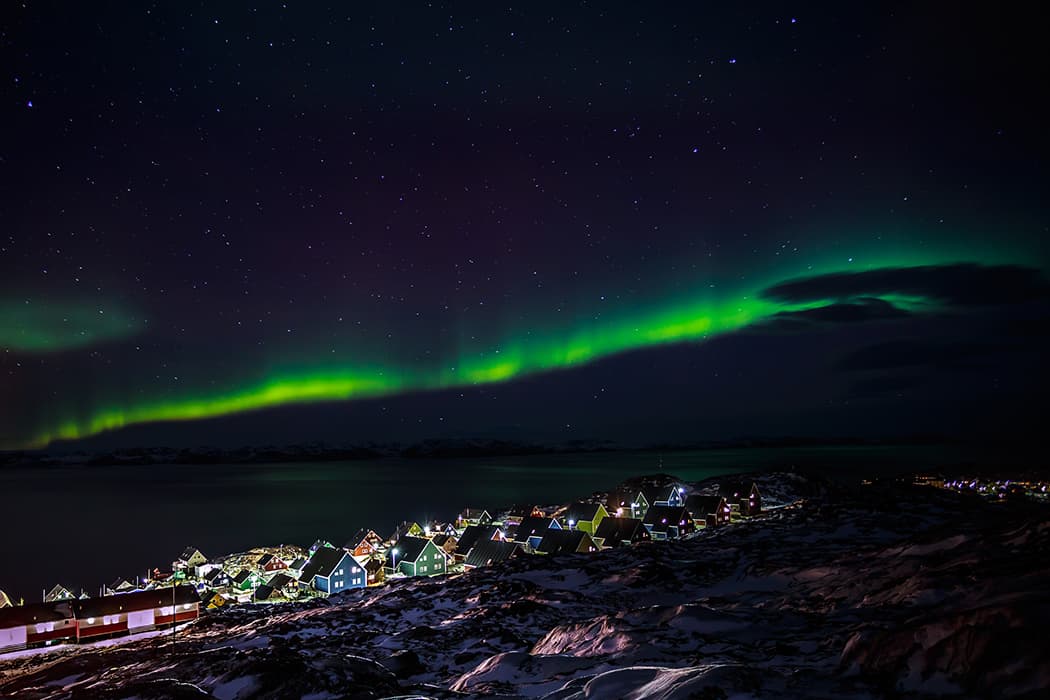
(250,223)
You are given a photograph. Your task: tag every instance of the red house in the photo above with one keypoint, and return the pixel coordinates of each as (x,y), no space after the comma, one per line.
(37,623)
(134,612)
(364,543)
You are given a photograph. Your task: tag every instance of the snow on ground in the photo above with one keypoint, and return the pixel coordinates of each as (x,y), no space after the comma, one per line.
(843,595)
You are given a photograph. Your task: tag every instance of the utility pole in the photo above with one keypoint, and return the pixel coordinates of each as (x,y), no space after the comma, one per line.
(173,612)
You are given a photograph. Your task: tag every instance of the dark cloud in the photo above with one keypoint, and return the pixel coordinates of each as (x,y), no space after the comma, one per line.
(964,284)
(855,311)
(899,354)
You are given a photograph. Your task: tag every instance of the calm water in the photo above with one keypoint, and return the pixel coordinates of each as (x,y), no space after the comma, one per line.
(87,525)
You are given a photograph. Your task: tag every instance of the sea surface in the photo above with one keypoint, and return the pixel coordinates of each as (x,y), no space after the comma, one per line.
(87,525)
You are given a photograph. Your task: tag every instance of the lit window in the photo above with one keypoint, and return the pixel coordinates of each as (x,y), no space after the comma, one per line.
(91,620)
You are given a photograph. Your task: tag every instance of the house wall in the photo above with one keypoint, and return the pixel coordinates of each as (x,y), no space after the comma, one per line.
(348,574)
(102,625)
(13,638)
(431,562)
(59,629)
(183,613)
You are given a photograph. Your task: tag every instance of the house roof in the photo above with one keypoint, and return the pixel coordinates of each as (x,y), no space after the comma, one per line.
(622,498)
(324,562)
(562,541)
(659,493)
(582,512)
(279,580)
(140,600)
(298,564)
(188,553)
(373,565)
(703,505)
(663,517)
(488,552)
(621,530)
(35,612)
(521,511)
(533,526)
(441,539)
(736,488)
(63,592)
(264,592)
(474,534)
(473,513)
(364,535)
(264,559)
(409,548)
(241,576)
(214,574)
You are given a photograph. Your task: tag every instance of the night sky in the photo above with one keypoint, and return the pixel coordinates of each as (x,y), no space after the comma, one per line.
(273,222)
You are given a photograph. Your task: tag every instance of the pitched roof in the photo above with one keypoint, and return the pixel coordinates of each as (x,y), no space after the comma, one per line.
(264,559)
(663,517)
(373,565)
(659,493)
(279,580)
(473,513)
(582,512)
(241,576)
(323,562)
(442,538)
(140,600)
(703,505)
(736,488)
(35,612)
(562,541)
(616,530)
(409,548)
(488,552)
(264,592)
(622,498)
(364,536)
(214,574)
(298,564)
(474,534)
(532,526)
(188,553)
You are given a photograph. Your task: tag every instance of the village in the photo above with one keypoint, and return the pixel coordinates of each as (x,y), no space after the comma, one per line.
(193,584)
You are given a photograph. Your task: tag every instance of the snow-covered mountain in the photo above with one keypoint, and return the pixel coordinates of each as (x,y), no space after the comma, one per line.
(878,591)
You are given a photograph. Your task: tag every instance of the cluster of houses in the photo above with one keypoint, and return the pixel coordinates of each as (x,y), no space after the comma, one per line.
(478,537)
(991,488)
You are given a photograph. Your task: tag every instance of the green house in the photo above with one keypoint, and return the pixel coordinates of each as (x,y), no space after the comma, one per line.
(416,556)
(585,516)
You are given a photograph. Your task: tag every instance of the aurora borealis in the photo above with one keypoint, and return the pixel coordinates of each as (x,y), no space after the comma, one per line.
(578,222)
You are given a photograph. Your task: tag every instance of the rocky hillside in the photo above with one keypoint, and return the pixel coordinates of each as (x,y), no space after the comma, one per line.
(882,591)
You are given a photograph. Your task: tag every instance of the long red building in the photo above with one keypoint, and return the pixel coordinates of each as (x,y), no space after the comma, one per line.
(93,618)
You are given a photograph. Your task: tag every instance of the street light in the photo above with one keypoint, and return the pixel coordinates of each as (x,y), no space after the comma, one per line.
(571,523)
(393,560)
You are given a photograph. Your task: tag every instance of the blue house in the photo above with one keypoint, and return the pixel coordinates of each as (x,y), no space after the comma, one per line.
(333,570)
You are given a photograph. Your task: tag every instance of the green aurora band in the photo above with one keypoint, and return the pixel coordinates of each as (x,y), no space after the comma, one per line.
(41,327)
(515,358)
